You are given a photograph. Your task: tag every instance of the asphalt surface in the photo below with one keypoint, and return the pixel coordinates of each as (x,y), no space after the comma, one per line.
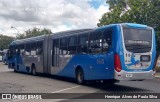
(11,82)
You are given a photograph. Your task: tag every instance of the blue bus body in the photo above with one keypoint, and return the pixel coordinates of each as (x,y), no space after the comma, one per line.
(124,51)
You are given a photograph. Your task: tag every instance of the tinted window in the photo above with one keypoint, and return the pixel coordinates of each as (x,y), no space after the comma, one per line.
(39,47)
(11,51)
(72,47)
(83,39)
(72,41)
(63,51)
(95,45)
(63,46)
(27,49)
(55,46)
(135,35)
(21,47)
(63,42)
(82,44)
(18,49)
(137,40)
(107,40)
(33,46)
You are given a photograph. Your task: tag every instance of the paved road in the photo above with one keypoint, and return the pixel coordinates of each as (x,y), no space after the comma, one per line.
(11,82)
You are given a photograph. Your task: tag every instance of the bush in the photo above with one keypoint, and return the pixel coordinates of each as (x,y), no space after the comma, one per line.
(157,68)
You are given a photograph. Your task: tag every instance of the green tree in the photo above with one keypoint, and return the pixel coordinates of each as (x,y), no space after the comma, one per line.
(34,32)
(5,41)
(135,11)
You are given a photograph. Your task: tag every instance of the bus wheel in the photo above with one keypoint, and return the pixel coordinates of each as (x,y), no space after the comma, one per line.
(80,76)
(33,68)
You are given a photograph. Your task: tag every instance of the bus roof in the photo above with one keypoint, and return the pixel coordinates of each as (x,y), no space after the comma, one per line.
(70,32)
(73,32)
(37,38)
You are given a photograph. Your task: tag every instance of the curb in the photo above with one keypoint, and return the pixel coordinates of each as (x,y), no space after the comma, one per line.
(157,76)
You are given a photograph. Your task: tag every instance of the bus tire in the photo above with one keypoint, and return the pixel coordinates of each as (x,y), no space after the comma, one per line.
(33,70)
(80,76)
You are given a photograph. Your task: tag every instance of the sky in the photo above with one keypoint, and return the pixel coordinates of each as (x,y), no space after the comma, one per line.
(57,15)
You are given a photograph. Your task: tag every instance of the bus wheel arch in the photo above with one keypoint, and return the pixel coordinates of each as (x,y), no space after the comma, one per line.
(33,69)
(79,74)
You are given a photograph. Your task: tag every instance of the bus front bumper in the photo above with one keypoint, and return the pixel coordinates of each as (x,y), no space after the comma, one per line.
(124,75)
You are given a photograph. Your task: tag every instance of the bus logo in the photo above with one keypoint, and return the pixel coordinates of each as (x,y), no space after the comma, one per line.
(6,96)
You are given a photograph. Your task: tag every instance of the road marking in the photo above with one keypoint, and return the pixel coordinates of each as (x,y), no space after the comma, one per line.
(66,89)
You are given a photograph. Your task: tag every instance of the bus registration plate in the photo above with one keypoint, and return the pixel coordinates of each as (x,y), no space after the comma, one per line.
(128,75)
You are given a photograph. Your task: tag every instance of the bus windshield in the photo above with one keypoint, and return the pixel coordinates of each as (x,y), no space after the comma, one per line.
(136,39)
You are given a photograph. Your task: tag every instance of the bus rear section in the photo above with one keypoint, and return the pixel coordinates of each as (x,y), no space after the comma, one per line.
(137,51)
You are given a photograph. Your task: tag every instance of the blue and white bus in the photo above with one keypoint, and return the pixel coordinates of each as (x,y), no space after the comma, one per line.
(113,52)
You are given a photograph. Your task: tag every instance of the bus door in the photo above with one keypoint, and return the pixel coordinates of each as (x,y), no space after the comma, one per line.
(55,56)
(49,54)
(39,52)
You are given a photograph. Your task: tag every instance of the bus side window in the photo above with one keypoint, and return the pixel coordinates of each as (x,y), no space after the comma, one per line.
(18,50)
(107,40)
(22,49)
(83,44)
(12,51)
(27,49)
(56,46)
(33,48)
(63,46)
(95,45)
(72,45)
(39,48)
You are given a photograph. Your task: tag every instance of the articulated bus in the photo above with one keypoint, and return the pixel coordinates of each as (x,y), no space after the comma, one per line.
(124,51)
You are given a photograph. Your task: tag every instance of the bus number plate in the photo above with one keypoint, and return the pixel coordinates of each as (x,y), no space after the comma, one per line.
(145,58)
(128,75)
